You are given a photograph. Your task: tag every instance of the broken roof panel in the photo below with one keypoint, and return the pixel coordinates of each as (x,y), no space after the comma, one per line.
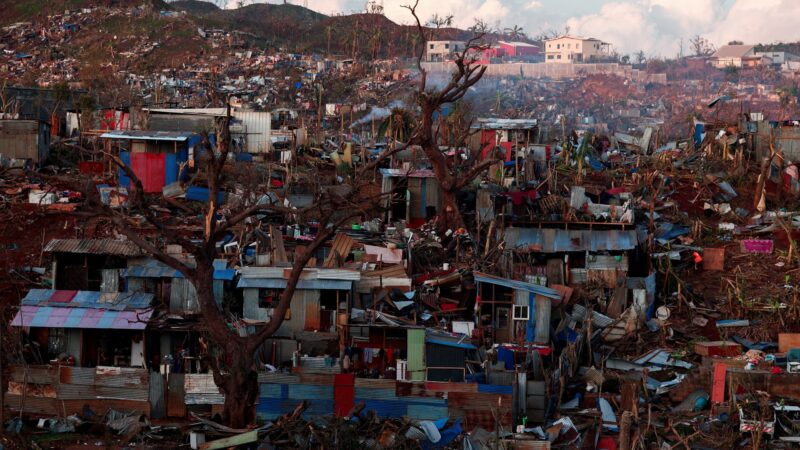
(505,124)
(518,285)
(172,136)
(51,317)
(93,247)
(279,283)
(550,240)
(87,299)
(403,173)
(151,268)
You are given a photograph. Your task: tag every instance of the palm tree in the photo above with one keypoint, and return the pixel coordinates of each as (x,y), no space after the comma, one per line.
(397,126)
(515,32)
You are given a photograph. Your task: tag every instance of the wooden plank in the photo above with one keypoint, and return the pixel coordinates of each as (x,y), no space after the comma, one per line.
(787,341)
(233,441)
(718,383)
(342,244)
(278,251)
(714,259)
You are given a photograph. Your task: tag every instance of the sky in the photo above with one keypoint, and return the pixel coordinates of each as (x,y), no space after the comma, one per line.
(654,26)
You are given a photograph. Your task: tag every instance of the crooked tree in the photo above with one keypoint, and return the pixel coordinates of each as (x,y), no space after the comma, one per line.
(452,173)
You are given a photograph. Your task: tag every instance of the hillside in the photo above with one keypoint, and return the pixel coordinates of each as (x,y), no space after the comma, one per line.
(195,7)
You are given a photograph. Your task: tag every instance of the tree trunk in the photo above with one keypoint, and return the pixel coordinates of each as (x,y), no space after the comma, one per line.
(234,368)
(240,387)
(451,217)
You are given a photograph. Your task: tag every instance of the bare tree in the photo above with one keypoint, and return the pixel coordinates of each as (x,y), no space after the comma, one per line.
(640,57)
(453,174)
(234,364)
(438,22)
(700,46)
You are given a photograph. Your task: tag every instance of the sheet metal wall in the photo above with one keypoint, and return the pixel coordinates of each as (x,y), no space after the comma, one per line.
(100,388)
(258,126)
(20,139)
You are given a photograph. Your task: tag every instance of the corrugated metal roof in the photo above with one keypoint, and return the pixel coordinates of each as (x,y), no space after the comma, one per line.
(53,317)
(517,284)
(172,136)
(506,124)
(117,301)
(152,268)
(94,247)
(550,240)
(279,283)
(417,173)
(308,273)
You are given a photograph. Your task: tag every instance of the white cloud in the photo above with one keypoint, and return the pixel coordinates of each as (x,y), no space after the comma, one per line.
(464,12)
(759,21)
(535,4)
(657,26)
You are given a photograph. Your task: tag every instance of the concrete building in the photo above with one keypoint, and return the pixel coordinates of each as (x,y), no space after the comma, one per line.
(443,50)
(518,49)
(574,49)
(778,58)
(737,56)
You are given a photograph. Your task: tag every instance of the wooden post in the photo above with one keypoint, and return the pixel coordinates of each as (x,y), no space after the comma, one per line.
(625,431)
(762,179)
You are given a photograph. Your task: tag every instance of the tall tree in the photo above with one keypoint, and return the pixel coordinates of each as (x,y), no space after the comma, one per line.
(329,29)
(452,173)
(515,32)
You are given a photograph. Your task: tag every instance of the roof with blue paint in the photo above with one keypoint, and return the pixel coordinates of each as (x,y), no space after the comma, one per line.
(151,268)
(117,301)
(52,308)
(518,285)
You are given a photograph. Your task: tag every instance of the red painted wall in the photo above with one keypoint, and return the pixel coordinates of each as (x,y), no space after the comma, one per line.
(150,168)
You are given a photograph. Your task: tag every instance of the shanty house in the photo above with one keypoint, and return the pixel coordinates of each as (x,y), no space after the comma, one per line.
(574,256)
(24,139)
(93,328)
(90,264)
(251,130)
(154,157)
(177,330)
(415,194)
(321,295)
(513,310)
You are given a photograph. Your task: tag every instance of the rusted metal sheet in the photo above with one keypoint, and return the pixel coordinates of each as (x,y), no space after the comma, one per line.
(100,406)
(317,378)
(312,316)
(76,375)
(477,409)
(94,247)
(122,377)
(32,390)
(34,374)
(31,405)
